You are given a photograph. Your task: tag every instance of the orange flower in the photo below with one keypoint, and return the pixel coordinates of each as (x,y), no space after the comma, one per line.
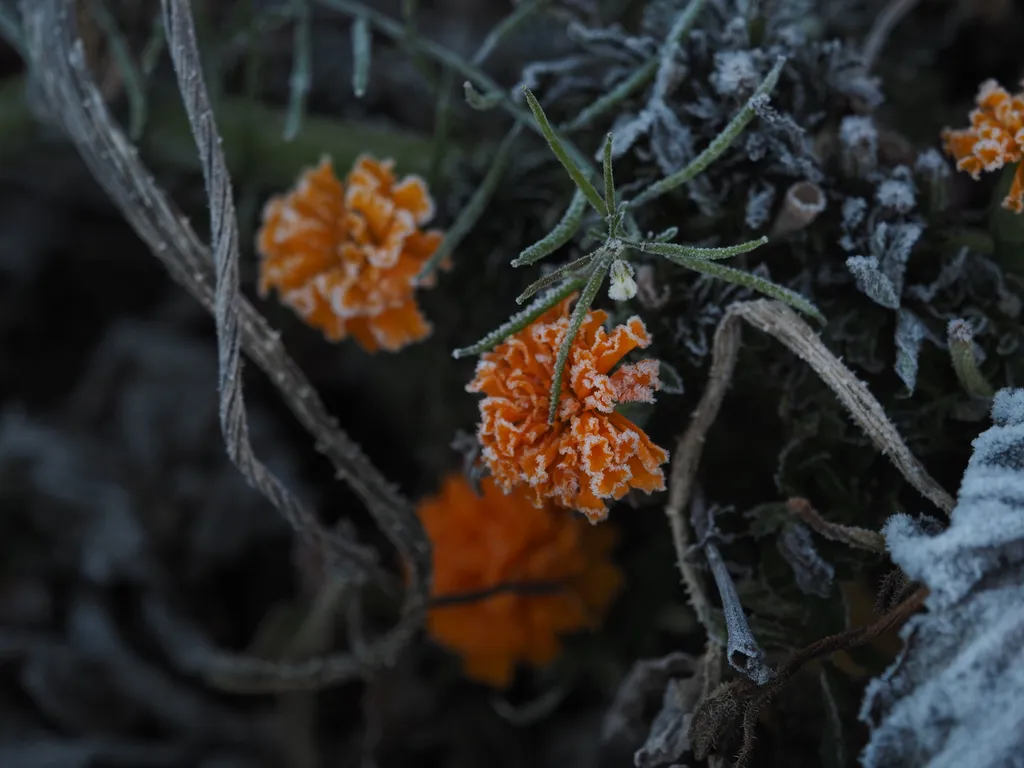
(591,452)
(996,137)
(484,541)
(345,258)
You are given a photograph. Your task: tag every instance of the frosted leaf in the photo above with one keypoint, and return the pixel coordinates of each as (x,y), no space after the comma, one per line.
(954,697)
(858,140)
(853,212)
(897,193)
(910,333)
(931,165)
(759,205)
(735,73)
(891,244)
(872,281)
(813,574)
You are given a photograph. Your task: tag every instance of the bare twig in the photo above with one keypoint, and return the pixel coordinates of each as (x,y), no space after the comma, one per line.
(57,60)
(686,459)
(851,535)
(718,712)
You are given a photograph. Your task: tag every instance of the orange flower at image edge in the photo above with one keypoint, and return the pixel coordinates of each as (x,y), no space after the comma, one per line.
(590,453)
(484,541)
(995,138)
(345,257)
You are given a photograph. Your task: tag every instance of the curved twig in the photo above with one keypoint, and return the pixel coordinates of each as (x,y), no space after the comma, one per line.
(58,64)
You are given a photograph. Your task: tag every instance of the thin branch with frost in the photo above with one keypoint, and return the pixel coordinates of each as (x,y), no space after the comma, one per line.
(58,64)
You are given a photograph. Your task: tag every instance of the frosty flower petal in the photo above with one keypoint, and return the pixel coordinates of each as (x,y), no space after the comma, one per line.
(590,453)
(481,542)
(994,138)
(345,257)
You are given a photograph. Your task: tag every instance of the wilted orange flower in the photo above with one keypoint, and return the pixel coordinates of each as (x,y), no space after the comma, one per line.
(590,452)
(995,138)
(481,542)
(345,257)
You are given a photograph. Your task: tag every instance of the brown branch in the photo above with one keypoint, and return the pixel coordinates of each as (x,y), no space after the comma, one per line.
(851,535)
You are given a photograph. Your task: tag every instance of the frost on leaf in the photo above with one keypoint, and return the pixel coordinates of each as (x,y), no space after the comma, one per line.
(872,281)
(910,333)
(954,696)
(813,573)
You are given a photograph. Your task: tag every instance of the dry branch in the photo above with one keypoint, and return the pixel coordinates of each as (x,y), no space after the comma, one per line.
(70,94)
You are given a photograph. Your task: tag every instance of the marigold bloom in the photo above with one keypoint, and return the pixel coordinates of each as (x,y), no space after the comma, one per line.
(484,541)
(995,138)
(590,452)
(345,257)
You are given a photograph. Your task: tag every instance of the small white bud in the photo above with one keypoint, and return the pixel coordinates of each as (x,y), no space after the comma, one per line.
(623,286)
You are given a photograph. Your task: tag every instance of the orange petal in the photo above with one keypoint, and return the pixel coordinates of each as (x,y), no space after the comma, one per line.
(411,195)
(1014,201)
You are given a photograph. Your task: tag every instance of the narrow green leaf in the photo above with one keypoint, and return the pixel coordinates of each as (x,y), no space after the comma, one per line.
(579,313)
(713,254)
(563,232)
(474,209)
(719,144)
(361,47)
(747,280)
(609,186)
(520,320)
(574,170)
(555,276)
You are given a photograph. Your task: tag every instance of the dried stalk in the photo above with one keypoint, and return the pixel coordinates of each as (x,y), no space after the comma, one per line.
(852,536)
(784,324)
(58,64)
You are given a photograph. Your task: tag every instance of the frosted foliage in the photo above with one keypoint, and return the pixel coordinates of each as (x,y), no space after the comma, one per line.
(956,695)
(897,194)
(735,72)
(910,333)
(872,281)
(759,205)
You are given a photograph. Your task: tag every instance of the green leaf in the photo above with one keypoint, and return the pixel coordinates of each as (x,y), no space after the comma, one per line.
(520,320)
(609,186)
(563,232)
(690,251)
(755,283)
(575,172)
(555,276)
(579,313)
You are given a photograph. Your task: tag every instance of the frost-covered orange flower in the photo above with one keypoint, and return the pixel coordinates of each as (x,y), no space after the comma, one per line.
(995,138)
(591,452)
(345,256)
(481,542)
